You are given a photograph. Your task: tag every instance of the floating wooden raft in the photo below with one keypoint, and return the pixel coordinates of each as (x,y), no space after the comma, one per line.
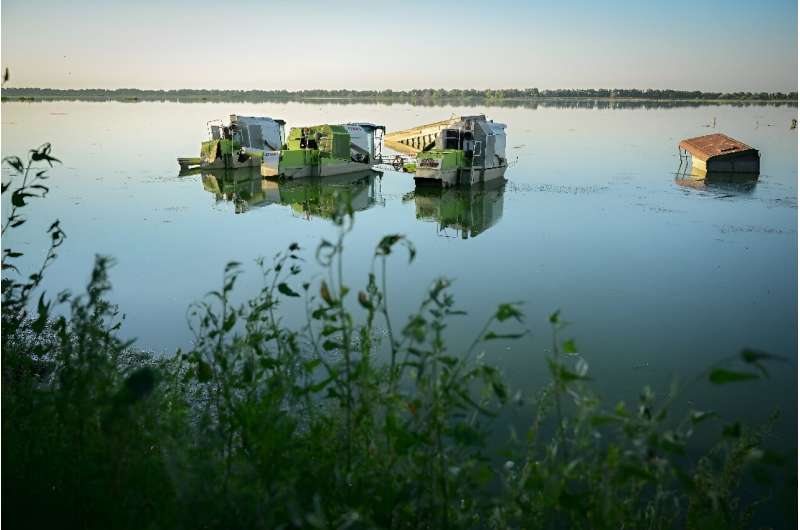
(721,153)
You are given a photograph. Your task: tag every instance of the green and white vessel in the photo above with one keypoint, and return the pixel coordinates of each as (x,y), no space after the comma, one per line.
(463,150)
(239,144)
(324,151)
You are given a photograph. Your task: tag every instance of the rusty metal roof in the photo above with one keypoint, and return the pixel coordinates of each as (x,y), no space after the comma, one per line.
(713,145)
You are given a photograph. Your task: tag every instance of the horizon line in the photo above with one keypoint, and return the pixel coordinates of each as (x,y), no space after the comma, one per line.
(524,92)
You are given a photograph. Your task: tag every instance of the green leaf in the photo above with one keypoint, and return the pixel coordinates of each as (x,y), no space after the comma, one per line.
(506,311)
(363,300)
(15,162)
(448,360)
(554,317)
(230,320)
(734,430)
(18,197)
(569,346)
(329,330)
(500,391)
(385,246)
(41,187)
(329,345)
(268,363)
(204,371)
(43,310)
(285,289)
(753,356)
(562,374)
(43,153)
(721,376)
(325,293)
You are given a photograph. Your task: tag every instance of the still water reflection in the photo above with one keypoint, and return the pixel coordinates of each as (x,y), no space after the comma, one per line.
(310,197)
(723,182)
(460,212)
(457,212)
(660,276)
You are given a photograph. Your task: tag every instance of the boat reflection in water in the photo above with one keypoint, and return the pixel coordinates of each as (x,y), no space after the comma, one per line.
(468,211)
(718,181)
(311,197)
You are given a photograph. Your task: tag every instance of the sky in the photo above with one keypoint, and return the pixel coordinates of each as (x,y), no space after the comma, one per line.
(710,45)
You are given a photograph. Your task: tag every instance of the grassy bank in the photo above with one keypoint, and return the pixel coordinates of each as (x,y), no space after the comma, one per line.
(348,420)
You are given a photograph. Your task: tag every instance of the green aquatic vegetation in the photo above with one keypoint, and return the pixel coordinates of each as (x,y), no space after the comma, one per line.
(348,420)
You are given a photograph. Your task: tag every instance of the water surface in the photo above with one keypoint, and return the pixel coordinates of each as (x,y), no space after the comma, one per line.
(661,276)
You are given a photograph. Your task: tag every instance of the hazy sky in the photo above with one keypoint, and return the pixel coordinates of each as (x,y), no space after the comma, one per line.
(719,45)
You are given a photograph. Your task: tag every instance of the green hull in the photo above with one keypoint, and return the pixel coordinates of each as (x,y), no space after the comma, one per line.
(308,163)
(452,167)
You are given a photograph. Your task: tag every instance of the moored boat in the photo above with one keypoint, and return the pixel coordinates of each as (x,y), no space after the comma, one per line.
(463,150)
(325,150)
(240,143)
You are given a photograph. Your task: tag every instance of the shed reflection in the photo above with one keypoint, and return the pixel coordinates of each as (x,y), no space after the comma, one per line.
(718,181)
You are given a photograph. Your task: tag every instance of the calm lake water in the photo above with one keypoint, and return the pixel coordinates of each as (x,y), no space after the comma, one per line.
(660,277)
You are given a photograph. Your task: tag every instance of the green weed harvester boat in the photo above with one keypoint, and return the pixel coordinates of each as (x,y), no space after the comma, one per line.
(239,144)
(464,150)
(324,151)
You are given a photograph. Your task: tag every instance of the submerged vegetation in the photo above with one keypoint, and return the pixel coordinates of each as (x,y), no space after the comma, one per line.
(351,420)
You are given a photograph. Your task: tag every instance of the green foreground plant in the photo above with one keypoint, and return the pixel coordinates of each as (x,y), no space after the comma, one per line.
(348,421)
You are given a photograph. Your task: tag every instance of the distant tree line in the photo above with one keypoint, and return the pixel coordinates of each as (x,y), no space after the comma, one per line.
(411,95)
